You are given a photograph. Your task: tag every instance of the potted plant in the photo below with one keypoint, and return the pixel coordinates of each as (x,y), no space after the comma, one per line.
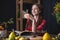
(4,26)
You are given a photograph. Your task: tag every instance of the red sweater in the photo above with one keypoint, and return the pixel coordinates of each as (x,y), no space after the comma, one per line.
(39,26)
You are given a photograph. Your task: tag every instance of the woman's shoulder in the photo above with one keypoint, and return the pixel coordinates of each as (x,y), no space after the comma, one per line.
(43,20)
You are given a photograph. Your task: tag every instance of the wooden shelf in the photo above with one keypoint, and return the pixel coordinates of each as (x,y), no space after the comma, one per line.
(26,1)
(18,18)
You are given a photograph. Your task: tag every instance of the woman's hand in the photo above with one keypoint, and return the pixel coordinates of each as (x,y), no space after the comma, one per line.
(28,16)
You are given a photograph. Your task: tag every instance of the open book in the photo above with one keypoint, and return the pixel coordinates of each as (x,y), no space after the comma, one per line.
(24,33)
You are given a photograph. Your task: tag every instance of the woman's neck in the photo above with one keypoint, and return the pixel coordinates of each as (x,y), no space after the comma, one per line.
(36,17)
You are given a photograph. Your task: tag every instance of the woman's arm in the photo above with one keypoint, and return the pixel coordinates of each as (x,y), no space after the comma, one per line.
(30,19)
(28,25)
(41,26)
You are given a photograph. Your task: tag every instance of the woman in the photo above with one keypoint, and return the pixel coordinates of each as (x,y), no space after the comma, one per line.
(37,17)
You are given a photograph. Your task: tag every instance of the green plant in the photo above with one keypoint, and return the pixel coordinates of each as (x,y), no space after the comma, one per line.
(57,12)
(10,21)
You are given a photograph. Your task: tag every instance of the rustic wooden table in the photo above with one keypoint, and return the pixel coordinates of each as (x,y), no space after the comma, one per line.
(31,38)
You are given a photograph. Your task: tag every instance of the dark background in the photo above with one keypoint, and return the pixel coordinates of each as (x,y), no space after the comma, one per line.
(8,10)
(51,25)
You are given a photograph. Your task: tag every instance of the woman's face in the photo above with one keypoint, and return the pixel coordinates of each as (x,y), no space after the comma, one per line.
(35,10)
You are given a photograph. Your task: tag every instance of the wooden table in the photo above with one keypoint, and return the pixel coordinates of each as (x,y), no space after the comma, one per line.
(36,38)
(32,38)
